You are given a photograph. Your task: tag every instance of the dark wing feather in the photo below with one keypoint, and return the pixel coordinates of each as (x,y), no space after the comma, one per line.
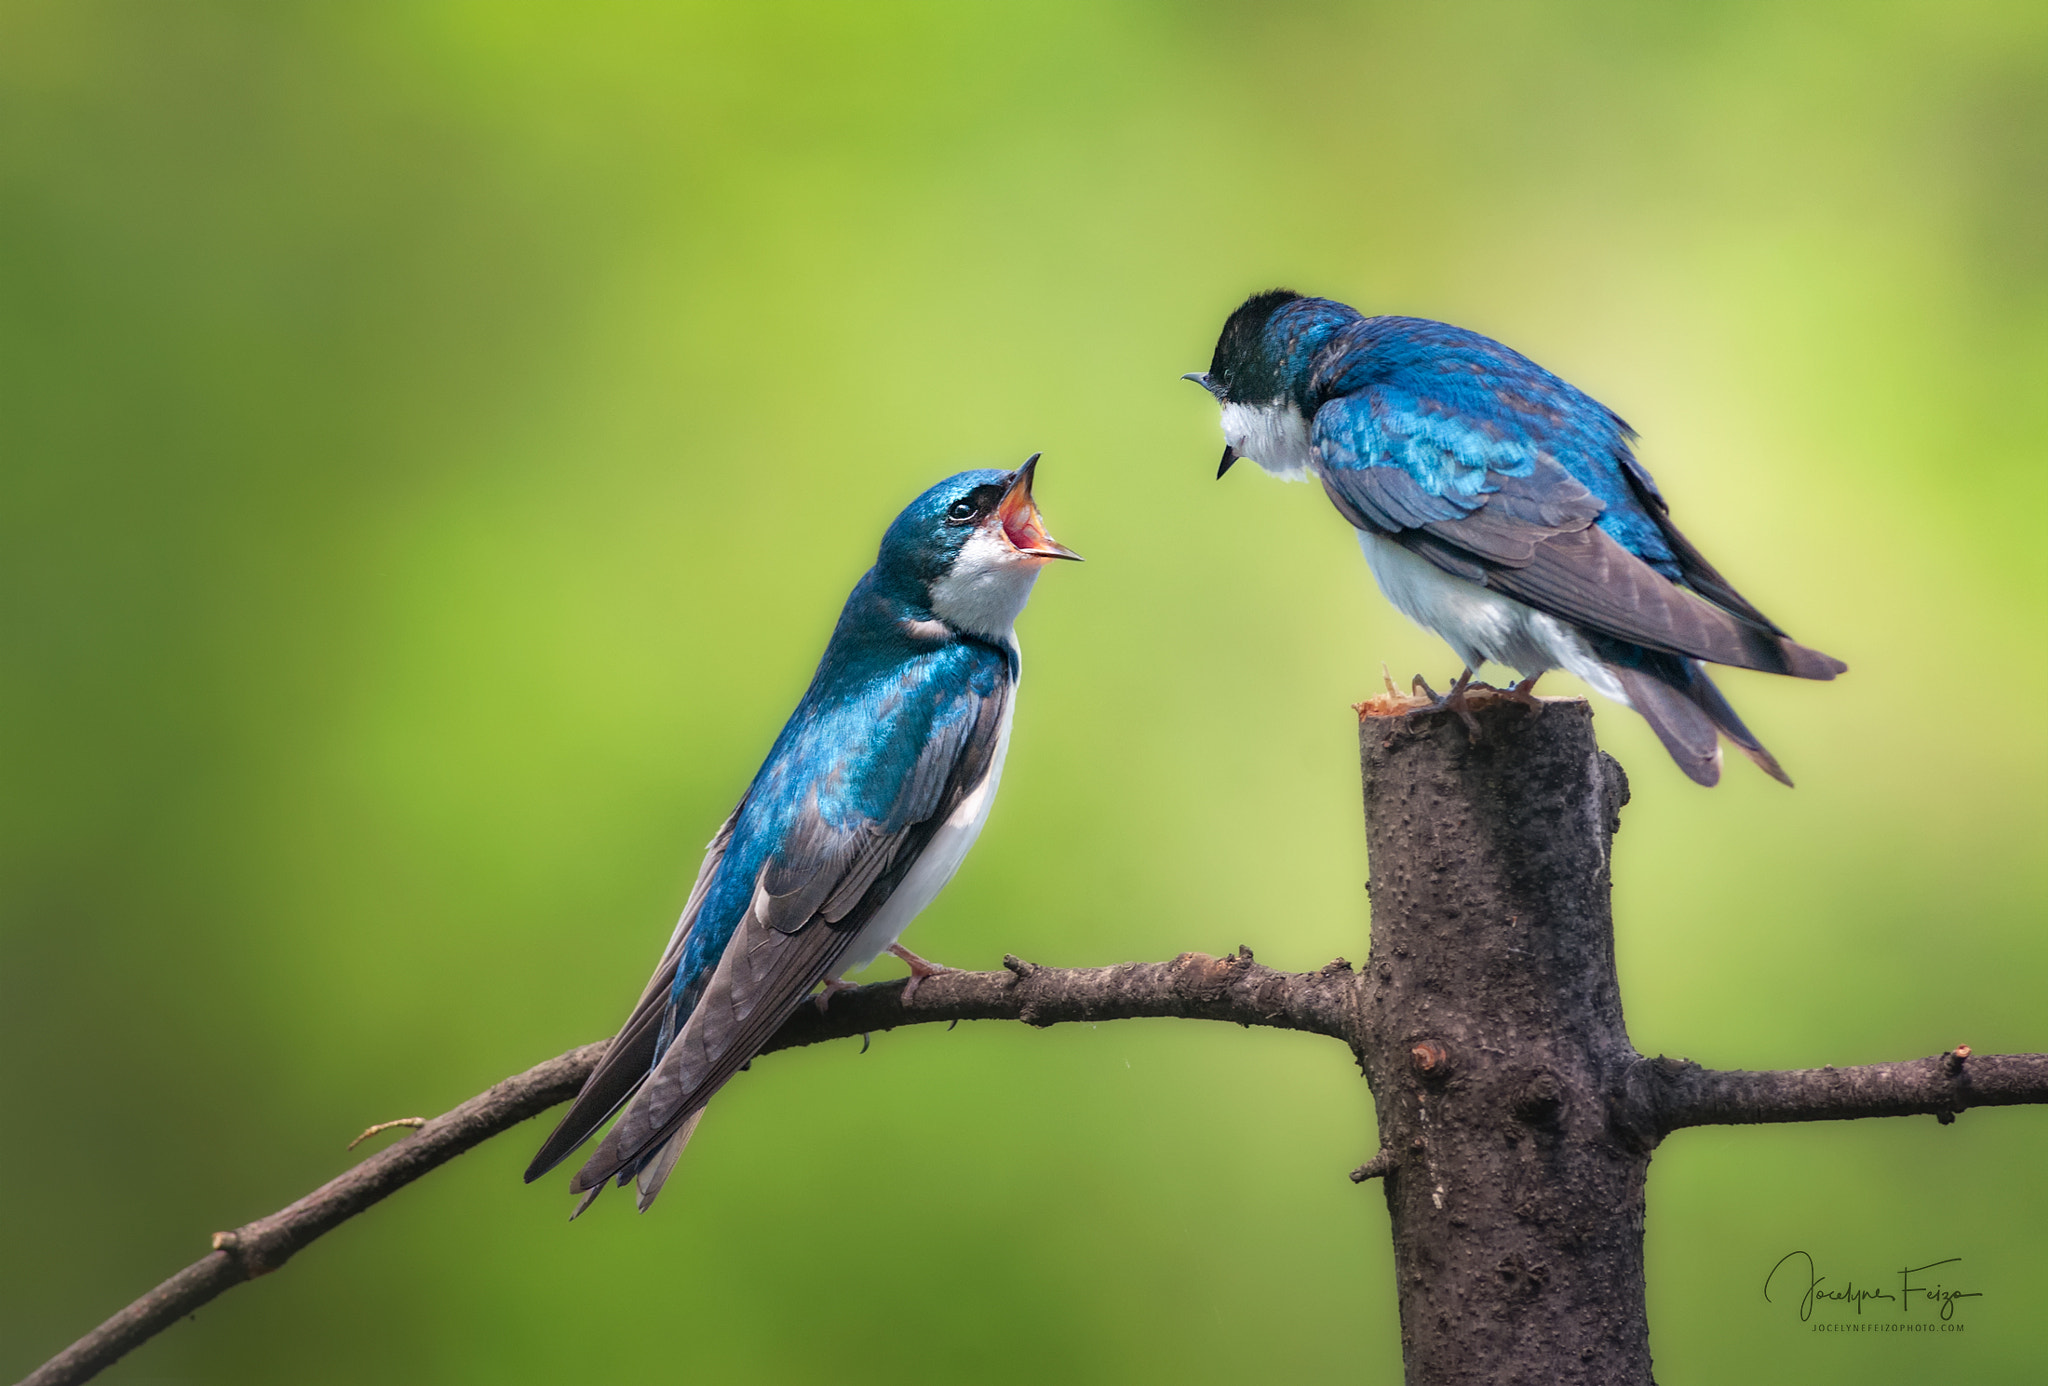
(823,870)
(1521,513)
(1590,580)
(1699,574)
(1594,582)
(1529,532)
(1388,498)
(776,957)
(631,1053)
(763,975)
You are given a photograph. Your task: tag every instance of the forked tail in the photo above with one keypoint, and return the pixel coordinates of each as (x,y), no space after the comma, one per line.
(1689,714)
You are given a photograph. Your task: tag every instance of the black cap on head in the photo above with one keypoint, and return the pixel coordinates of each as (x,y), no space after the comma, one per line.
(1241,368)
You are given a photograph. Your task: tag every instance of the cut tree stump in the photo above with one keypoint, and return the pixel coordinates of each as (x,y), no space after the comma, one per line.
(1492,1036)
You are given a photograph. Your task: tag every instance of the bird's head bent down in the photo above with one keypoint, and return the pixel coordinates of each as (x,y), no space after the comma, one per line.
(1262,360)
(973,545)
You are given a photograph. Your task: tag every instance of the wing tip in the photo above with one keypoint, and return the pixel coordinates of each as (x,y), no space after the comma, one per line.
(1803,662)
(559,1145)
(548,1156)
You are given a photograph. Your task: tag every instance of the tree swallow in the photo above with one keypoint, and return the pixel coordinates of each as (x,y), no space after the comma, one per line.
(866,805)
(1501,508)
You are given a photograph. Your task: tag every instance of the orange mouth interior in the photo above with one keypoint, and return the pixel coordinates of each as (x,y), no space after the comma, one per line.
(1024,527)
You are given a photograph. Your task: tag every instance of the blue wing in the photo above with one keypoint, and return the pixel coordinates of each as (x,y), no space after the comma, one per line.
(1451,406)
(1481,461)
(873,760)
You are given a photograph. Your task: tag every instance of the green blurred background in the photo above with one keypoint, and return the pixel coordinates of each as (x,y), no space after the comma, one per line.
(438,437)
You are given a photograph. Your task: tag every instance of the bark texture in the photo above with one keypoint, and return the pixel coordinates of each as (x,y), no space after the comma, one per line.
(1493,1040)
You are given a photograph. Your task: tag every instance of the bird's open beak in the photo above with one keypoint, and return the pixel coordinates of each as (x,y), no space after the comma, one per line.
(1022,525)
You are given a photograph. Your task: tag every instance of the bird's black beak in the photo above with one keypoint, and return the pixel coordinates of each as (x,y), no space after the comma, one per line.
(1022,525)
(1230,454)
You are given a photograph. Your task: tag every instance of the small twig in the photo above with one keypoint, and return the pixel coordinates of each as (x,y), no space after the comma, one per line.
(414,1122)
(1378,1167)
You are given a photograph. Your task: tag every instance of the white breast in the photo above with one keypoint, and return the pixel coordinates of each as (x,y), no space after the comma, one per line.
(1273,435)
(942,857)
(1480,624)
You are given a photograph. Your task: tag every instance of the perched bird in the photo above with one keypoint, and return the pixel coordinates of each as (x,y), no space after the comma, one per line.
(1501,508)
(866,805)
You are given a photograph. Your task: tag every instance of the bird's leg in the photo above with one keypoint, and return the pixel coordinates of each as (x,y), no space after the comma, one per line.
(919,969)
(1453,701)
(833,986)
(1520,694)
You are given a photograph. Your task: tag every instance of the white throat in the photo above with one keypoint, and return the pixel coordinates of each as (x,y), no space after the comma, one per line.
(1272,434)
(986,588)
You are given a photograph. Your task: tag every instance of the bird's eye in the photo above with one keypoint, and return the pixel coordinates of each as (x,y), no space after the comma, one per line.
(962,510)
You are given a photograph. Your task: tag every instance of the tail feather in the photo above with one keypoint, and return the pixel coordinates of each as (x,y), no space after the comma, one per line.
(1715,706)
(583,1203)
(662,1163)
(646,1033)
(617,1076)
(1689,714)
(649,1175)
(1687,732)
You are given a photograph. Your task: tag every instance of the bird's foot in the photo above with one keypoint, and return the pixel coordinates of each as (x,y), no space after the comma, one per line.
(833,986)
(1453,701)
(920,968)
(1519,693)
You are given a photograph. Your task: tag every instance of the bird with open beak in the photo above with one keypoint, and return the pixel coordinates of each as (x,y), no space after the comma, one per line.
(866,805)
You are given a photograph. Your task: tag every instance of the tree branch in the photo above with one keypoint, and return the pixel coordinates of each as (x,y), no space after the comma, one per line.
(1677,1094)
(1192,986)
(267,1243)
